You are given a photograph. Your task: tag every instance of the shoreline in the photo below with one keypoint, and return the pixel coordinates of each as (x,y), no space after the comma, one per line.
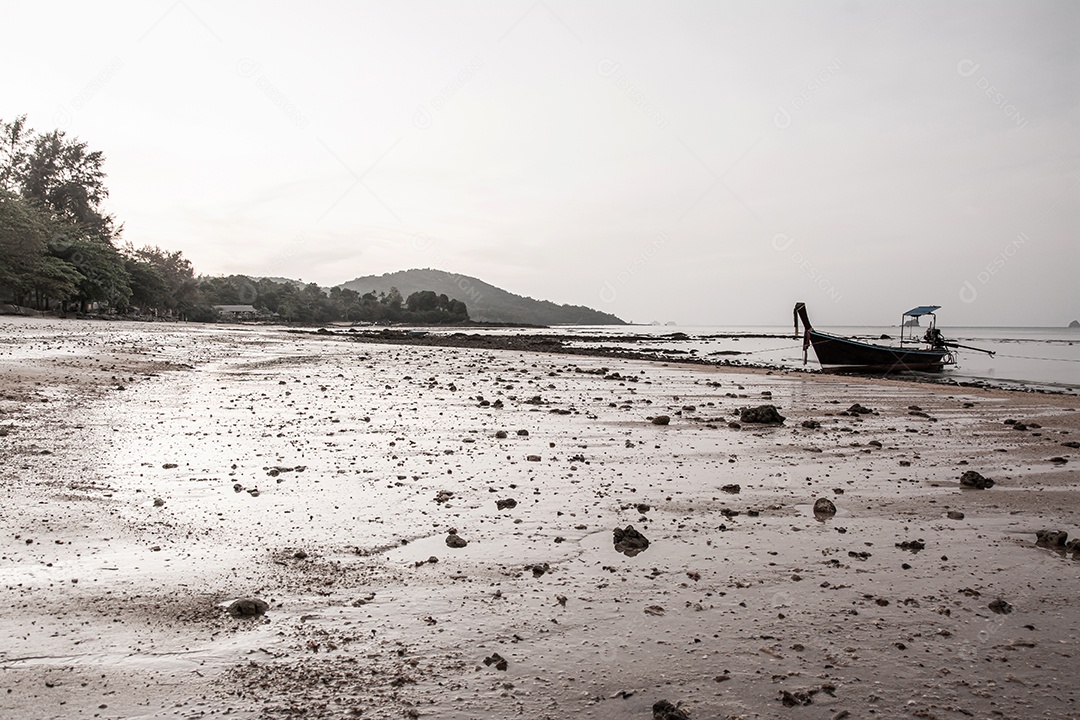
(554,343)
(743,601)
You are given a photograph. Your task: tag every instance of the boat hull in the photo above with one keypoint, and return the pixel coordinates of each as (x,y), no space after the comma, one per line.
(838,355)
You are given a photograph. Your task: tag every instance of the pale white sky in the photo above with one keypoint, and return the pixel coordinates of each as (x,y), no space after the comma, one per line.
(704,162)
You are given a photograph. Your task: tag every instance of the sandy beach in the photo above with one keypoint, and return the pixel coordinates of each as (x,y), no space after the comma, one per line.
(152,474)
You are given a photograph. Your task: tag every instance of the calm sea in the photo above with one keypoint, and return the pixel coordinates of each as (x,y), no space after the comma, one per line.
(1035,358)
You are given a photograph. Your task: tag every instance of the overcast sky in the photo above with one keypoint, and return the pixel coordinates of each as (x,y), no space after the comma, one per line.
(702,162)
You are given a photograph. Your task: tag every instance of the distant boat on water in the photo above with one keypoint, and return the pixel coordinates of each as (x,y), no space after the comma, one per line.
(839,354)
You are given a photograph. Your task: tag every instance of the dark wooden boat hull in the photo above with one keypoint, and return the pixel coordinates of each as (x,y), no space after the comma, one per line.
(838,355)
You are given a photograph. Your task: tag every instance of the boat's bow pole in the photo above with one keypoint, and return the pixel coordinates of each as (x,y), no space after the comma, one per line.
(947,343)
(800,313)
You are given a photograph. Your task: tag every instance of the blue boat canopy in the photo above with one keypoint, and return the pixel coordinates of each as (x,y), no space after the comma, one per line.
(922,310)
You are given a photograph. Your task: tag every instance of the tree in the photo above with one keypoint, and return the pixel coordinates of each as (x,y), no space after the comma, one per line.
(149,291)
(422,301)
(67,178)
(55,279)
(53,189)
(22,243)
(25,264)
(178,291)
(14,144)
(105,280)
(393,299)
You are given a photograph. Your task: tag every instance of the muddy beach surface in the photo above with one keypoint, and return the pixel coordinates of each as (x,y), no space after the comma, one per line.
(432,531)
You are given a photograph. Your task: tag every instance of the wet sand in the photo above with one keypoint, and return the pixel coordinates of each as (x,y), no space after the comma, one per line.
(152,474)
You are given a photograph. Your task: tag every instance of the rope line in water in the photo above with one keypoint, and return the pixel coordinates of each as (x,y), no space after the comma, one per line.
(1029,357)
(754,352)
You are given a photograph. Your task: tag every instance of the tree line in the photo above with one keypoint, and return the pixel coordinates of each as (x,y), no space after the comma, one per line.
(291,301)
(60,252)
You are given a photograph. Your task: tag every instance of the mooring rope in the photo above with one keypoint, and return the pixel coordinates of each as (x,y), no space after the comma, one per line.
(1029,357)
(754,352)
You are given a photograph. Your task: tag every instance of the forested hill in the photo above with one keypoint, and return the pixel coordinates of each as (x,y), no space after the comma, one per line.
(486,302)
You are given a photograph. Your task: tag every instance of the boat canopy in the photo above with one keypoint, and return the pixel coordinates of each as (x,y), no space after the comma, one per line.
(922,310)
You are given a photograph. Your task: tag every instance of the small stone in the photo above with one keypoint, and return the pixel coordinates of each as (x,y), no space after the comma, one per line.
(629,541)
(497,660)
(454,540)
(734,489)
(795,699)
(973,479)
(501,434)
(661,420)
(506,504)
(912,545)
(158,502)
(664,710)
(955,515)
(247,608)
(824,506)
(763,414)
(1051,538)
(1000,607)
